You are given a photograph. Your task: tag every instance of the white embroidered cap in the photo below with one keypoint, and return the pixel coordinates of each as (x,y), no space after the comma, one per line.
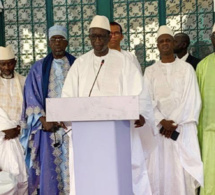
(6,53)
(57,30)
(164,30)
(100,22)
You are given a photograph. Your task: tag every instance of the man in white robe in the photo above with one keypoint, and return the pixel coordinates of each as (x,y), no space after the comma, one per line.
(118,76)
(114,43)
(11,95)
(175,166)
(146,130)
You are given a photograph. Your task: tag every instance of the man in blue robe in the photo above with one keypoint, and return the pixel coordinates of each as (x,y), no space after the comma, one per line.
(45,143)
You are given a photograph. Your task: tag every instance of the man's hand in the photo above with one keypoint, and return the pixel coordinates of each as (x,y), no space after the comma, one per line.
(12,133)
(47,126)
(51,126)
(140,122)
(168,127)
(62,125)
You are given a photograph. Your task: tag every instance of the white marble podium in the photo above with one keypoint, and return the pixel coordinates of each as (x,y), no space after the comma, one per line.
(101,141)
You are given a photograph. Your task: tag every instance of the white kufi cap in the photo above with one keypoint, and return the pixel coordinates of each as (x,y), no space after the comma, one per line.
(6,53)
(164,30)
(57,30)
(100,22)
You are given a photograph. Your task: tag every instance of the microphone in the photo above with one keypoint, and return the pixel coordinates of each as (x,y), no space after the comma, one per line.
(102,62)
(57,143)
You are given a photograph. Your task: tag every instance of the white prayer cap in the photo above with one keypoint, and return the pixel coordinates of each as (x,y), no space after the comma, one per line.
(213,28)
(6,53)
(57,30)
(7,183)
(100,22)
(164,30)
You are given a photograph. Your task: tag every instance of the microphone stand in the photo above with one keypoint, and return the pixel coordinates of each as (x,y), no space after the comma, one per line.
(102,62)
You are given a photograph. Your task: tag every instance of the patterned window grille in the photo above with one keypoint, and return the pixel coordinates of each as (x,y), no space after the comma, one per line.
(140,22)
(26,23)
(194,17)
(25,28)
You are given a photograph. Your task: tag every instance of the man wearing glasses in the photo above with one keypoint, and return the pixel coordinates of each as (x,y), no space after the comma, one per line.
(107,72)
(206,129)
(116,38)
(47,163)
(116,76)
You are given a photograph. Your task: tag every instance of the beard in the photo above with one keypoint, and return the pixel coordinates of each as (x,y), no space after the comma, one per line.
(60,53)
(7,76)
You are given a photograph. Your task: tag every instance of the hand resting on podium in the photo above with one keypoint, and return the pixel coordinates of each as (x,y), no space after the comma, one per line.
(140,122)
(51,126)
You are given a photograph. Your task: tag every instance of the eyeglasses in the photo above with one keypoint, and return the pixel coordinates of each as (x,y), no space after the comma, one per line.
(57,39)
(93,37)
(116,34)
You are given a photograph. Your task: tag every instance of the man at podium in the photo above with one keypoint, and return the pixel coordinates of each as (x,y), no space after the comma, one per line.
(106,72)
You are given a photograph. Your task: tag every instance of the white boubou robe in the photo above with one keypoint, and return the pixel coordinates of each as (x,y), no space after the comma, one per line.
(118,77)
(12,160)
(175,167)
(133,58)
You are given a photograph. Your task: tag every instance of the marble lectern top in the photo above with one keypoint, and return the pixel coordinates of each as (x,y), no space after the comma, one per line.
(92,108)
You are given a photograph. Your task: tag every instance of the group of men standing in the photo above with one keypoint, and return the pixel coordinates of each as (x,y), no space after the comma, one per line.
(169,104)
